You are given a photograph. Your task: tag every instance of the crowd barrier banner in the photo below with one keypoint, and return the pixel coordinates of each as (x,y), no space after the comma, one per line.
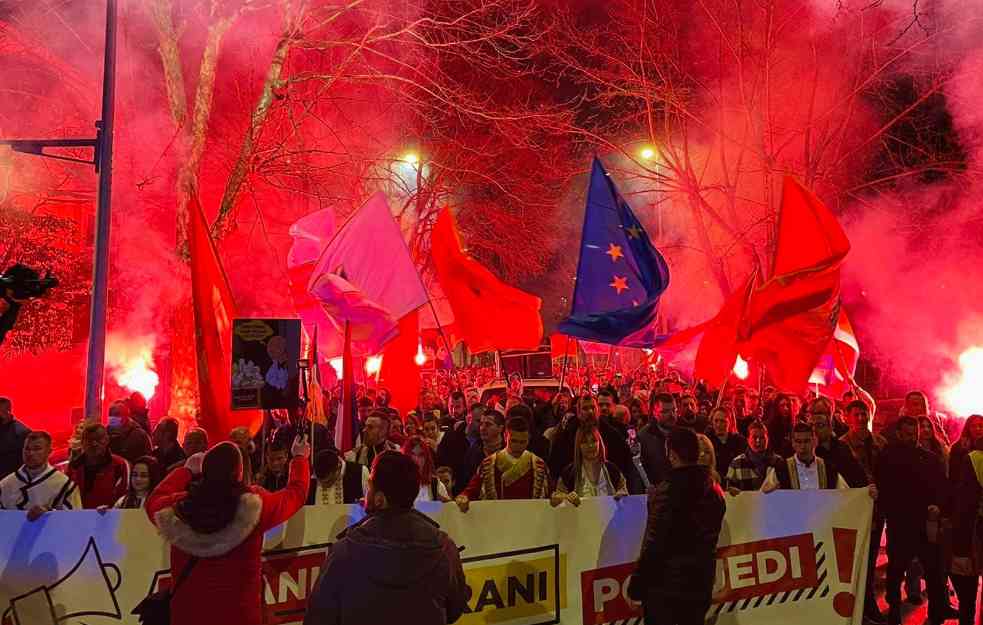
(789,556)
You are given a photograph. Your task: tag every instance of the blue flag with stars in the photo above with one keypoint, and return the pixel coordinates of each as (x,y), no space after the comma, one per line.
(620,275)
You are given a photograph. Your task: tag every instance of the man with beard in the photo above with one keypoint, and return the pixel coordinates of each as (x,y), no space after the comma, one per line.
(461,435)
(412,567)
(652,439)
(375,439)
(689,416)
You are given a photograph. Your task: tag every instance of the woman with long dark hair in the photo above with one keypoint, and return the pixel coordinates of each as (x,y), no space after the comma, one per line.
(215,528)
(145,475)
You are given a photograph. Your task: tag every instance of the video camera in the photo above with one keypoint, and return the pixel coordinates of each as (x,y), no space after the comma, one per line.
(24,283)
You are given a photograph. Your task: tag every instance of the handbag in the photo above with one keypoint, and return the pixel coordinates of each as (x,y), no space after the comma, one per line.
(155,609)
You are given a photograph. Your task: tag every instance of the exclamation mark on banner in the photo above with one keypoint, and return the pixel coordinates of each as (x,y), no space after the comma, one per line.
(845,541)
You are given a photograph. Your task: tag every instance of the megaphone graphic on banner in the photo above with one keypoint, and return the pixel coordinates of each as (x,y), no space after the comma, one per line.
(89,589)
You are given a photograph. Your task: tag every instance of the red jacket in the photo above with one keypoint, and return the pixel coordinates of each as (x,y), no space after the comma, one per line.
(225,585)
(102,485)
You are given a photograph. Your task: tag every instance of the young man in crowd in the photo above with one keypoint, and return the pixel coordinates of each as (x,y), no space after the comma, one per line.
(101,476)
(375,439)
(747,471)
(866,447)
(675,573)
(167,451)
(414,569)
(652,438)
(830,449)
(274,475)
(13,433)
(336,480)
(512,473)
(803,470)
(461,435)
(36,486)
(491,430)
(913,488)
(126,439)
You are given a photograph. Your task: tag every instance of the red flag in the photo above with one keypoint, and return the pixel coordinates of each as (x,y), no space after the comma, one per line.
(838,363)
(344,433)
(214,311)
(791,318)
(718,348)
(489,313)
(400,373)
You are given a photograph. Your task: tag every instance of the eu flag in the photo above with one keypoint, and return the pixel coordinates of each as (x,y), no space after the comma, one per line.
(620,275)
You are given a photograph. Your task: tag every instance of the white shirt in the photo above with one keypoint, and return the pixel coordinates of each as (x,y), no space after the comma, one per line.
(808,476)
(140,500)
(48,488)
(425,492)
(335,494)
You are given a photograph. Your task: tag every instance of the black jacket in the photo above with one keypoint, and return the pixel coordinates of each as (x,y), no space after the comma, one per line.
(840,457)
(408,568)
(909,480)
(652,440)
(678,553)
(726,452)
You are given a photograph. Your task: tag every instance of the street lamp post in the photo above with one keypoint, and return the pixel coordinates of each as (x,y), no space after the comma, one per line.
(102,159)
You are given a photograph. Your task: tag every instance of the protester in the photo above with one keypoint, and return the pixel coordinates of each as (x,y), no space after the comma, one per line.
(652,439)
(967,533)
(431,432)
(145,475)
(727,443)
(930,438)
(274,474)
(747,471)
(336,481)
(972,431)
(511,473)
(215,529)
(779,417)
(36,486)
(708,457)
(195,441)
(590,474)
(616,444)
(674,577)
(136,404)
(866,447)
(167,451)
(912,487)
(126,439)
(431,489)
(13,433)
(102,476)
(375,439)
(252,458)
(298,424)
(803,471)
(689,414)
(490,440)
(413,569)
(835,453)
(538,444)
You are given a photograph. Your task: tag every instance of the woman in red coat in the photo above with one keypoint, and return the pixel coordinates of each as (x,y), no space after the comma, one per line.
(221,522)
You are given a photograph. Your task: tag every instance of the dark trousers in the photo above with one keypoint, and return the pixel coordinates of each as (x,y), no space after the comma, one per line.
(877,529)
(663,611)
(967,588)
(902,546)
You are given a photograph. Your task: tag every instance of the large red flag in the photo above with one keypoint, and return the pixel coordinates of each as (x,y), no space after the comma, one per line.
(489,313)
(400,373)
(791,318)
(214,311)
(718,348)
(344,429)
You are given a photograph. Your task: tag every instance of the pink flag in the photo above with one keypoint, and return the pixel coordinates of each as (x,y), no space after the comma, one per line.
(378,282)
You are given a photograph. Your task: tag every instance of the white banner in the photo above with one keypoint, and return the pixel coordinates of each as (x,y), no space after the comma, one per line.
(785,557)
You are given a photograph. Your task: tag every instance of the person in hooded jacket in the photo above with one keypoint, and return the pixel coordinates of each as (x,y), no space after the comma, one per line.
(215,527)
(675,572)
(395,565)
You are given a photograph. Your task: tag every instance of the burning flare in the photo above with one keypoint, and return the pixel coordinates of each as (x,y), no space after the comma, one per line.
(138,376)
(963,392)
(132,362)
(740,368)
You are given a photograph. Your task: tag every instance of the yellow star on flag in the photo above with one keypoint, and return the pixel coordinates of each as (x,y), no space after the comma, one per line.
(619,284)
(614,251)
(634,232)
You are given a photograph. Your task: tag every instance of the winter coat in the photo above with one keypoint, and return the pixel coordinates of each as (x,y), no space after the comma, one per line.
(101,484)
(129,441)
(652,440)
(909,479)
(618,452)
(967,534)
(685,513)
(408,571)
(225,585)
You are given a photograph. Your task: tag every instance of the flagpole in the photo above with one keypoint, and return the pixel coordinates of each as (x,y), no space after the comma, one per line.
(566,357)
(440,331)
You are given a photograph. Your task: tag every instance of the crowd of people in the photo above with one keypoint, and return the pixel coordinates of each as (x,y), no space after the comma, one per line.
(619,435)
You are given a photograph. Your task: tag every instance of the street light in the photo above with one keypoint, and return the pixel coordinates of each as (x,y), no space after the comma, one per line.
(411,158)
(647,153)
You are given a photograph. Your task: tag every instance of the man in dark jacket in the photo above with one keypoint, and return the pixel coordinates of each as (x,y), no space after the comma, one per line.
(13,433)
(409,568)
(912,486)
(652,439)
(126,439)
(675,573)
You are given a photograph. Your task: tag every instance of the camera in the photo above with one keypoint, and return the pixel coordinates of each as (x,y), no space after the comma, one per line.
(20,282)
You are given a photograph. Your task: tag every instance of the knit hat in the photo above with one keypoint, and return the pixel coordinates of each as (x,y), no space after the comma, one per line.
(223,463)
